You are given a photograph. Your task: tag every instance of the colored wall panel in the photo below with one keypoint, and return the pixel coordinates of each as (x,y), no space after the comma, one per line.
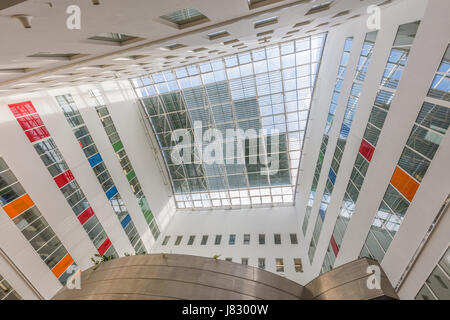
(334,246)
(117,146)
(131,175)
(345,130)
(64,178)
(366,150)
(125,221)
(332,176)
(95,159)
(322,214)
(29,122)
(85,215)
(37,134)
(104,246)
(404,183)
(111,192)
(16,207)
(62,265)
(22,108)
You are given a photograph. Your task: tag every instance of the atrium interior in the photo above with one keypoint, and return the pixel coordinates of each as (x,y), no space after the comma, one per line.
(298,141)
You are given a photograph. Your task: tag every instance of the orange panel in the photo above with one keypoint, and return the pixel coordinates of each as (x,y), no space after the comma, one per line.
(62,265)
(404,183)
(16,207)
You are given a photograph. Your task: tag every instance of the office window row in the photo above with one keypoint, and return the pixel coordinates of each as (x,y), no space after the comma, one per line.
(38,135)
(397,60)
(331,113)
(352,105)
(85,140)
(7,292)
(437,286)
(125,163)
(279,263)
(428,132)
(22,211)
(231,239)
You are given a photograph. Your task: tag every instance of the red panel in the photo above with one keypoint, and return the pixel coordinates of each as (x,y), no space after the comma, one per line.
(367,150)
(334,246)
(105,246)
(64,178)
(29,122)
(22,108)
(37,134)
(85,215)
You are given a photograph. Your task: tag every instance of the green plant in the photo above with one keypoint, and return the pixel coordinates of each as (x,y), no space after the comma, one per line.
(216,256)
(98,258)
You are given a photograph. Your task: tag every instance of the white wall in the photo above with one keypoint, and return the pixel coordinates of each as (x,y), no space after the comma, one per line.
(239,222)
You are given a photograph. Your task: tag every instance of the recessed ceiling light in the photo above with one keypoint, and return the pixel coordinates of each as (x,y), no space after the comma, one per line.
(253,4)
(318,7)
(56,56)
(218,34)
(265,22)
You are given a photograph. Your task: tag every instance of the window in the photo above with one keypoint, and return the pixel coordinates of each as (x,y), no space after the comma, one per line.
(279,264)
(185,17)
(232,239)
(262,263)
(178,240)
(244,261)
(298,265)
(277,238)
(204,240)
(191,240)
(113,37)
(293,237)
(262,238)
(218,239)
(253,4)
(319,7)
(246,239)
(166,239)
(229,259)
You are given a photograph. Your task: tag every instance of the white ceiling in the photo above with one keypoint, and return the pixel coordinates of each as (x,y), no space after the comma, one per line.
(48,33)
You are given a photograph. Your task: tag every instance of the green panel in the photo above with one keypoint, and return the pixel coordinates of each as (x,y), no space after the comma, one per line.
(118,146)
(131,175)
(146,209)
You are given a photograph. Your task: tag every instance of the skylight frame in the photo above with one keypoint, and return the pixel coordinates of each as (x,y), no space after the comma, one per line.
(157,85)
(184,18)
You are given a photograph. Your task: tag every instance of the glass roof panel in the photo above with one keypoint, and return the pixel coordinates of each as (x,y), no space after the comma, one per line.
(231,129)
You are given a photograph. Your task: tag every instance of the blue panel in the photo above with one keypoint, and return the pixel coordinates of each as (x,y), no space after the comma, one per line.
(126,221)
(332,176)
(111,192)
(322,214)
(344,131)
(95,159)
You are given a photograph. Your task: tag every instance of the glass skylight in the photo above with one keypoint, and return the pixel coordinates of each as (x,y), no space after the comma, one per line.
(113,37)
(267,90)
(184,16)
